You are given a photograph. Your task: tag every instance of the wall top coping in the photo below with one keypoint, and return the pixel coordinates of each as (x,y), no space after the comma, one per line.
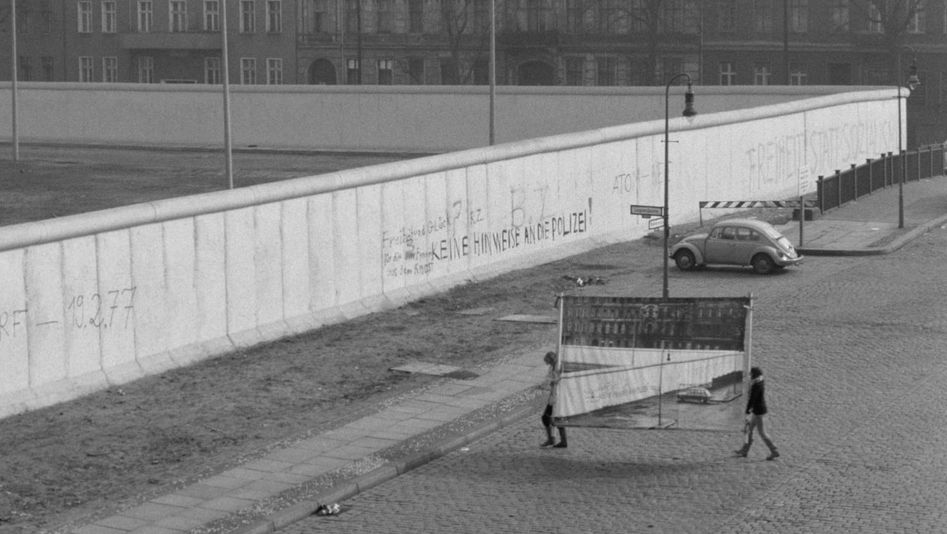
(442,89)
(50,230)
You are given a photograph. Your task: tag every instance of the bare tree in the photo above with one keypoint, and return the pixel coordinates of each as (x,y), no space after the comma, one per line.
(646,14)
(895,18)
(467,40)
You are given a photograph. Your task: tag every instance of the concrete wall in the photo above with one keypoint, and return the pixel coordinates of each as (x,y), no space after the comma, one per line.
(98,299)
(369,118)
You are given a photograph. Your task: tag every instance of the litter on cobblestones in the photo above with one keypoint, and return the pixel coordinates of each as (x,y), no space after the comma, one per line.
(328,509)
(586,281)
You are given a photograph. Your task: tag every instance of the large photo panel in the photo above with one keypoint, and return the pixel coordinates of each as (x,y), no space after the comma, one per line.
(641,362)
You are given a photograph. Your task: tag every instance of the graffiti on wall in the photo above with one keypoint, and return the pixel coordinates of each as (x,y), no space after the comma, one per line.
(776,161)
(113,308)
(464,231)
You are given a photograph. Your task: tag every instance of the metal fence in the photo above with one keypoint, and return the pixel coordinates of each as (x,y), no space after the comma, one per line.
(850,184)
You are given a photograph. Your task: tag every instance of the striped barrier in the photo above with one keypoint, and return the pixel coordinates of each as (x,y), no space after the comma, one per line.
(747,204)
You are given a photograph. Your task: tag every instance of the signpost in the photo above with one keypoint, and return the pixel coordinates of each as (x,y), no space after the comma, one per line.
(647,211)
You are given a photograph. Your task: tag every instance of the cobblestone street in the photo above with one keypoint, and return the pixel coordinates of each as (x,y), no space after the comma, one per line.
(854,354)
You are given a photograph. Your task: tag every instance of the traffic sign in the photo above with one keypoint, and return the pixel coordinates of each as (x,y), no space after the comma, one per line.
(656,223)
(647,211)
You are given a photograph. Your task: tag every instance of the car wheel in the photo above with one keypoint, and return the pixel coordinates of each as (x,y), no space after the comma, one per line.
(685,260)
(763,264)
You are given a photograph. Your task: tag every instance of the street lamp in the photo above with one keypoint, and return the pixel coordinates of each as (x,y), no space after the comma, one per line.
(912,82)
(689,111)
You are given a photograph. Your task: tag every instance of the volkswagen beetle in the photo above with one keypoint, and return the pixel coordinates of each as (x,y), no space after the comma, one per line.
(736,242)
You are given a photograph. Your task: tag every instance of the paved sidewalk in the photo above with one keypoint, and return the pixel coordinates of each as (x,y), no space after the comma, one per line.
(289,484)
(870,224)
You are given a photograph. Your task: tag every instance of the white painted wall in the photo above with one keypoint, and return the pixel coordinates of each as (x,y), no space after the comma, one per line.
(427,119)
(101,298)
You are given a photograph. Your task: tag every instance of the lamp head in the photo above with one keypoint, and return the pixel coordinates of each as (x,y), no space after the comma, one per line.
(689,110)
(913,81)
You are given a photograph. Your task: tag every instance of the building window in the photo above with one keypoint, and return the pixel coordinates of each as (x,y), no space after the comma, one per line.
(609,14)
(840,73)
(26,68)
(537,15)
(728,76)
(574,70)
(85,16)
(763,16)
(839,15)
(110,69)
(416,70)
(212,70)
(109,24)
(875,19)
(481,71)
(352,76)
(211,15)
(797,74)
(918,96)
(145,16)
(353,14)
(85,69)
(481,16)
(762,74)
(24,20)
(45,17)
(383,17)
(146,69)
(315,16)
(638,70)
(916,22)
(48,66)
(177,16)
(450,74)
(274,16)
(385,71)
(726,16)
(575,11)
(247,71)
(274,71)
(675,16)
(607,70)
(247,16)
(416,16)
(799,16)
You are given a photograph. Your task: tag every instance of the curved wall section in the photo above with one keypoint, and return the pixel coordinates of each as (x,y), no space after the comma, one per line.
(103,298)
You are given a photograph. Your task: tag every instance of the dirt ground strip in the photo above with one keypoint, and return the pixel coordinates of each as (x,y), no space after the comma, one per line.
(77,461)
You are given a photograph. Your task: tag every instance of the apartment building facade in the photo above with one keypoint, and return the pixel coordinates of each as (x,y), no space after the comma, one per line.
(152,41)
(539,42)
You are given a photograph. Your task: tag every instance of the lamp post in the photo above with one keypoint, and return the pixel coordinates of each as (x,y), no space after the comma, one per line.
(913,82)
(689,111)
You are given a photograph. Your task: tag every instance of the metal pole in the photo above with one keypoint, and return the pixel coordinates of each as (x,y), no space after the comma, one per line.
(802,216)
(900,157)
(493,69)
(687,112)
(225,71)
(13,87)
(667,111)
(786,40)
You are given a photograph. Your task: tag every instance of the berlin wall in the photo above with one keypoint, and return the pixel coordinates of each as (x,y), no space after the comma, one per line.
(99,299)
(420,119)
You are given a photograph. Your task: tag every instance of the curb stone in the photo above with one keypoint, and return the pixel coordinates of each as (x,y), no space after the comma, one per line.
(380,475)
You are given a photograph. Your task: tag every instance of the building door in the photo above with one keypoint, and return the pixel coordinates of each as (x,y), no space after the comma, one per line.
(840,74)
(536,73)
(322,72)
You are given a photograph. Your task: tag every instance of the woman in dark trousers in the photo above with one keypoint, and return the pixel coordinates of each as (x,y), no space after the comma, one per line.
(755,410)
(553,379)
